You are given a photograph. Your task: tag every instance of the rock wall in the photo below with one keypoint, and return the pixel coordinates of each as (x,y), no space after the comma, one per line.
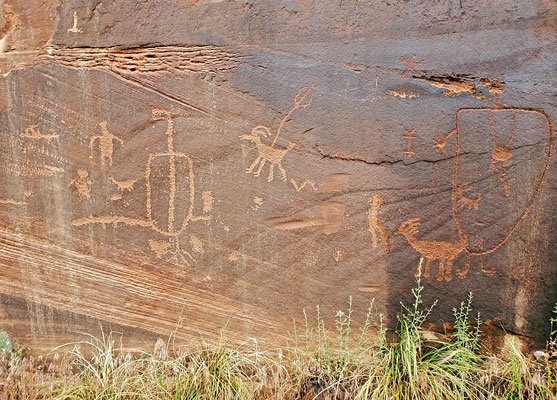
(227,163)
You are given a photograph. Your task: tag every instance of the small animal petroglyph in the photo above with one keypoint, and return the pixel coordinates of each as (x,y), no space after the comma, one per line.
(445,252)
(123,185)
(32,132)
(466,201)
(269,152)
(266,153)
(410,65)
(82,183)
(409,136)
(74,28)
(106,143)
(376,224)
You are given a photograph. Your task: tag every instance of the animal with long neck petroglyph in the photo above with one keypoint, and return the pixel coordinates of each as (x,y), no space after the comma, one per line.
(266,153)
(445,252)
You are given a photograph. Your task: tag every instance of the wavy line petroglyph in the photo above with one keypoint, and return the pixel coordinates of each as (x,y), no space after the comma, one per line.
(270,153)
(174,163)
(376,224)
(106,143)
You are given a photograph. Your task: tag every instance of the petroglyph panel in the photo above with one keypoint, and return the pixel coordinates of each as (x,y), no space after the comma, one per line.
(235,163)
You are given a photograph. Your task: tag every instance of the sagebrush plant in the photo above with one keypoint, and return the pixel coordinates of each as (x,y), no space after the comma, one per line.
(341,362)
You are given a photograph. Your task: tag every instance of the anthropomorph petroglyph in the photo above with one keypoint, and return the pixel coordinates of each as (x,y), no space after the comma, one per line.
(106,143)
(409,136)
(74,28)
(445,252)
(32,132)
(173,171)
(82,183)
(269,152)
(376,224)
(410,65)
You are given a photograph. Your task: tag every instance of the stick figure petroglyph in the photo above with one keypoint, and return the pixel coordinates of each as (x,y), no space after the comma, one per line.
(269,152)
(409,136)
(82,183)
(106,143)
(174,172)
(375,223)
(410,65)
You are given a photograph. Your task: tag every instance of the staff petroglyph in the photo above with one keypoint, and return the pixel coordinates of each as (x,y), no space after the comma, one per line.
(409,136)
(177,191)
(74,28)
(269,152)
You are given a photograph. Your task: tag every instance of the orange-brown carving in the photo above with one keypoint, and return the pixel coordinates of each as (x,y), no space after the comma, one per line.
(332,214)
(13,202)
(501,153)
(410,65)
(82,183)
(123,185)
(303,184)
(106,143)
(445,252)
(74,28)
(409,136)
(32,132)
(466,201)
(269,152)
(376,224)
(173,162)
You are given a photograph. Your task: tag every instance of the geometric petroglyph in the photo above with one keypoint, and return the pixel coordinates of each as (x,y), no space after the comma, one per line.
(169,183)
(270,153)
(376,224)
(106,144)
(409,136)
(410,65)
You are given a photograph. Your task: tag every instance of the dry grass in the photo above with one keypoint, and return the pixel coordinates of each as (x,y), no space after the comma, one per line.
(318,363)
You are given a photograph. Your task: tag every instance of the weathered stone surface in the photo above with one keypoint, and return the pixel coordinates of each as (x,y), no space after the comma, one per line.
(227,163)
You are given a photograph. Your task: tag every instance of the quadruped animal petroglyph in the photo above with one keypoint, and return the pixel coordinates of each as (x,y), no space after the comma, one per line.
(270,153)
(170,188)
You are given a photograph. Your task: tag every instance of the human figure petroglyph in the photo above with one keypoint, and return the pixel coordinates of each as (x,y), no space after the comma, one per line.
(266,153)
(106,143)
(466,201)
(82,183)
(445,252)
(74,28)
(501,153)
(271,153)
(32,132)
(376,224)
(410,65)
(409,136)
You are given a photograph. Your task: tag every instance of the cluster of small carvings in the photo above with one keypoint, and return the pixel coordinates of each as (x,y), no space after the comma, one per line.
(174,170)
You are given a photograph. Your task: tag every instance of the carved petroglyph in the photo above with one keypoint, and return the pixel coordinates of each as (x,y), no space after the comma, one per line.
(376,224)
(409,136)
(106,143)
(82,183)
(445,252)
(501,153)
(466,201)
(123,185)
(177,191)
(207,197)
(269,152)
(32,132)
(307,182)
(257,203)
(410,65)
(13,202)
(74,28)
(441,141)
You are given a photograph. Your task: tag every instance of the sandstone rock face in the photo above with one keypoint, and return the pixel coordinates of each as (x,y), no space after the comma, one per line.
(228,163)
